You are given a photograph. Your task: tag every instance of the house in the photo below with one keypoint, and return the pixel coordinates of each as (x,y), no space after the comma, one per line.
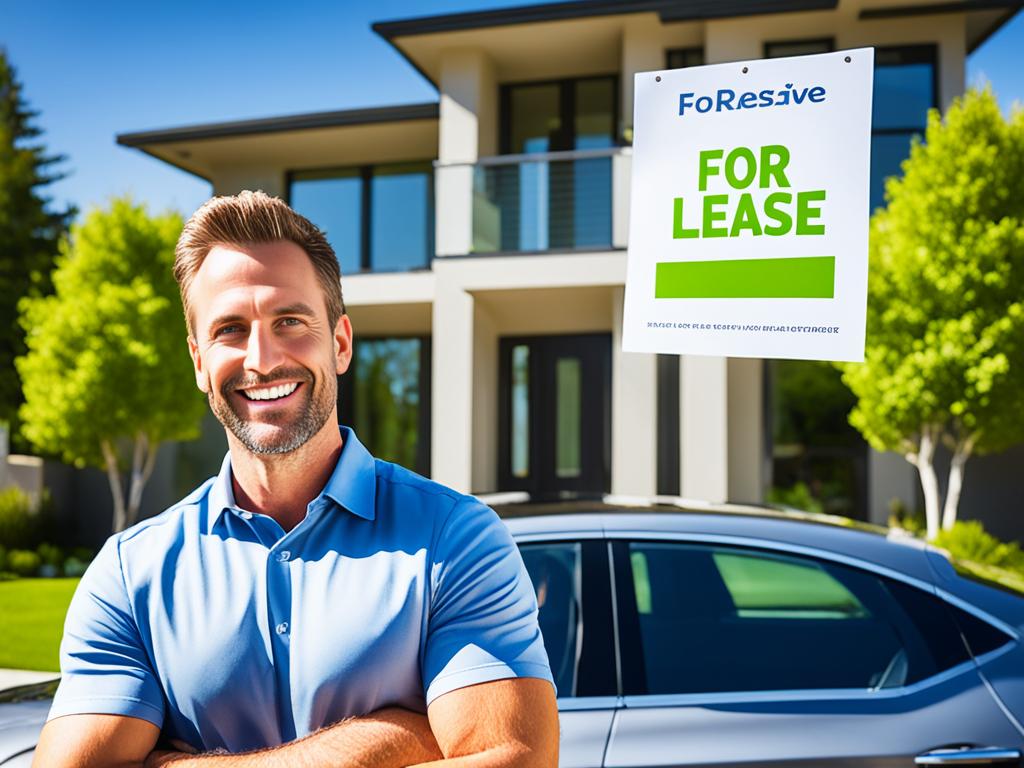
(482,244)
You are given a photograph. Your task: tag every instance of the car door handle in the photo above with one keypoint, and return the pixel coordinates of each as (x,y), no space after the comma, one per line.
(969,756)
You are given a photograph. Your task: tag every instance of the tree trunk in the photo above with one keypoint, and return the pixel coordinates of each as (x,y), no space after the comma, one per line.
(961,454)
(143,461)
(114,478)
(923,460)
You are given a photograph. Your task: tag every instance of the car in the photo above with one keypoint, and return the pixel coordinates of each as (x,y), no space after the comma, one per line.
(689,634)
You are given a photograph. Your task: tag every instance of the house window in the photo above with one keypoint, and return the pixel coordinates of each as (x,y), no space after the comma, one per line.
(680,58)
(377,218)
(559,115)
(775,50)
(385,397)
(906,87)
(543,203)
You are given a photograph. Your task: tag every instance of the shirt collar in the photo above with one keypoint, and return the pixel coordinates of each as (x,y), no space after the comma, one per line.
(352,485)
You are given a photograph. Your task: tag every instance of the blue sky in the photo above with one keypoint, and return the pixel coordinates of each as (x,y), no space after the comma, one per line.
(96,70)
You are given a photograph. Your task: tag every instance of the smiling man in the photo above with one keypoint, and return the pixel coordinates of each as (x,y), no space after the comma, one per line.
(309,604)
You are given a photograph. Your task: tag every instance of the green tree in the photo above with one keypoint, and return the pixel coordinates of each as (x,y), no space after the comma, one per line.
(30,228)
(944,359)
(107,377)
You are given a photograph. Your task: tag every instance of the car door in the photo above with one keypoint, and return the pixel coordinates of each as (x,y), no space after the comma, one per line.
(740,655)
(573,586)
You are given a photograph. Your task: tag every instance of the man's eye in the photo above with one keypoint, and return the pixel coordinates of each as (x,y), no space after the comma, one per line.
(291,321)
(226,330)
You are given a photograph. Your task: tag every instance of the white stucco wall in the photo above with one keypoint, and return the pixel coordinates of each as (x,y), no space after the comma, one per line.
(468,130)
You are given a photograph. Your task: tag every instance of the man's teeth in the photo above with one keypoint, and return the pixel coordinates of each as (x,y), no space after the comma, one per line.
(271,393)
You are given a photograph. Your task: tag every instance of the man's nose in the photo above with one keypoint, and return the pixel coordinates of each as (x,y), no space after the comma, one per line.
(262,353)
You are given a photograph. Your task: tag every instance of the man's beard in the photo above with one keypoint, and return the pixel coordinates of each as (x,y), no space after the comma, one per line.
(317,408)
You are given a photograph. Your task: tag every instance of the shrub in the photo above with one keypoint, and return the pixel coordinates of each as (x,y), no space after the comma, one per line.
(902,517)
(22,525)
(82,553)
(23,562)
(75,567)
(18,522)
(50,554)
(968,540)
(3,558)
(798,497)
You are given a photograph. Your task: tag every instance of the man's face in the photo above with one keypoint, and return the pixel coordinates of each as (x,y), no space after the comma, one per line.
(261,345)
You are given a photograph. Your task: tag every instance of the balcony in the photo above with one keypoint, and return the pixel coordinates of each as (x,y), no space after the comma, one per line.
(542,202)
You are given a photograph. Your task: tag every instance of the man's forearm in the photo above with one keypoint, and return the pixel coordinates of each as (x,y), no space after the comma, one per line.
(506,756)
(389,738)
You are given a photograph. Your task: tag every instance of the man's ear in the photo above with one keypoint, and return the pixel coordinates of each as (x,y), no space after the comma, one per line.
(343,344)
(197,364)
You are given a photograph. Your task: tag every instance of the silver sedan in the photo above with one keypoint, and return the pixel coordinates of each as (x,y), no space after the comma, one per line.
(732,636)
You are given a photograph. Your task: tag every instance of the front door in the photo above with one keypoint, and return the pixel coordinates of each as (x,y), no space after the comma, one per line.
(555,414)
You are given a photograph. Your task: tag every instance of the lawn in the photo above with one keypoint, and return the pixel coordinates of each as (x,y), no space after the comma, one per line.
(32,616)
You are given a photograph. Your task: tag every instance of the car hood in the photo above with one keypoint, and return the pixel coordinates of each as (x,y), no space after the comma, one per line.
(20,724)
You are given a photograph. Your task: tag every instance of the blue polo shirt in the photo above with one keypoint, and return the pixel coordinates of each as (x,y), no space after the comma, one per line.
(213,623)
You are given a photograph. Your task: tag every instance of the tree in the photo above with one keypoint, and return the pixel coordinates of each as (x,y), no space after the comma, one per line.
(944,358)
(107,377)
(30,228)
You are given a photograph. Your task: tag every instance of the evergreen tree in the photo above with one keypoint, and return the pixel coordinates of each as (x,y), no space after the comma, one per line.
(30,229)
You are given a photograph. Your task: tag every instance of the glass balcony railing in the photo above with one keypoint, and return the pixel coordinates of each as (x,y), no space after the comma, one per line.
(553,201)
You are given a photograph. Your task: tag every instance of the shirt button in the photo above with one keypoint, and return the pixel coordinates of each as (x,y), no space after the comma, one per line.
(245,515)
(283,556)
(282,627)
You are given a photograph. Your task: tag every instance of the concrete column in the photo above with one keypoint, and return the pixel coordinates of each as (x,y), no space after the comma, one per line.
(643,50)
(732,40)
(704,428)
(452,386)
(952,63)
(467,129)
(622,169)
(231,181)
(634,414)
(485,401)
(890,476)
(746,445)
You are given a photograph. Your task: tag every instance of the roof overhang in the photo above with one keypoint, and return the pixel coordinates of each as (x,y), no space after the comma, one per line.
(313,140)
(984,17)
(594,24)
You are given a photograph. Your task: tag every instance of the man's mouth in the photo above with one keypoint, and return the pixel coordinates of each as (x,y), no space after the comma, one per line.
(277,392)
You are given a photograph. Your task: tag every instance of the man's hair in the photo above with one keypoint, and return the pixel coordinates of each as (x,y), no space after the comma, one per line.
(254,218)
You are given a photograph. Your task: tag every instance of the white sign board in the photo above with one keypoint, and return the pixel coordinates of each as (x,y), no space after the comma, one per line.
(748,231)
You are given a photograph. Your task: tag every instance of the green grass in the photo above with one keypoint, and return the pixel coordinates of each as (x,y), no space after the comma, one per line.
(32,616)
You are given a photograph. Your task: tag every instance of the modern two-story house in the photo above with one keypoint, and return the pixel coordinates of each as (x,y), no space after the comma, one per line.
(482,245)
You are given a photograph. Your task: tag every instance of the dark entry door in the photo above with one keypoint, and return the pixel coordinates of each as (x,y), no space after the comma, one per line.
(555,414)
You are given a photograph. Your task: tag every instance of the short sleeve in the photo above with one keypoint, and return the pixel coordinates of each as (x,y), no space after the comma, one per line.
(104,666)
(482,624)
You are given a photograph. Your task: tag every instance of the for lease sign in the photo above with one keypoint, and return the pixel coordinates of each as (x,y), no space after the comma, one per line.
(749,209)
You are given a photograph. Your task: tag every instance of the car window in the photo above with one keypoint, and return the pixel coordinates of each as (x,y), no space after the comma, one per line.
(556,575)
(716,619)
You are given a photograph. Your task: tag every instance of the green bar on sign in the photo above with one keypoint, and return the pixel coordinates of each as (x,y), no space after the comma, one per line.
(807,277)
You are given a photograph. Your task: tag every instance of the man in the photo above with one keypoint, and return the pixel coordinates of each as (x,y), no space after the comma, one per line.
(306,605)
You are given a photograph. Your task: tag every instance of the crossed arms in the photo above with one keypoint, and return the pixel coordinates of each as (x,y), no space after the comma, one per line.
(499,724)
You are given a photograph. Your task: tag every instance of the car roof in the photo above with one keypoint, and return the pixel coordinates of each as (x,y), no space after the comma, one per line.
(829,536)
